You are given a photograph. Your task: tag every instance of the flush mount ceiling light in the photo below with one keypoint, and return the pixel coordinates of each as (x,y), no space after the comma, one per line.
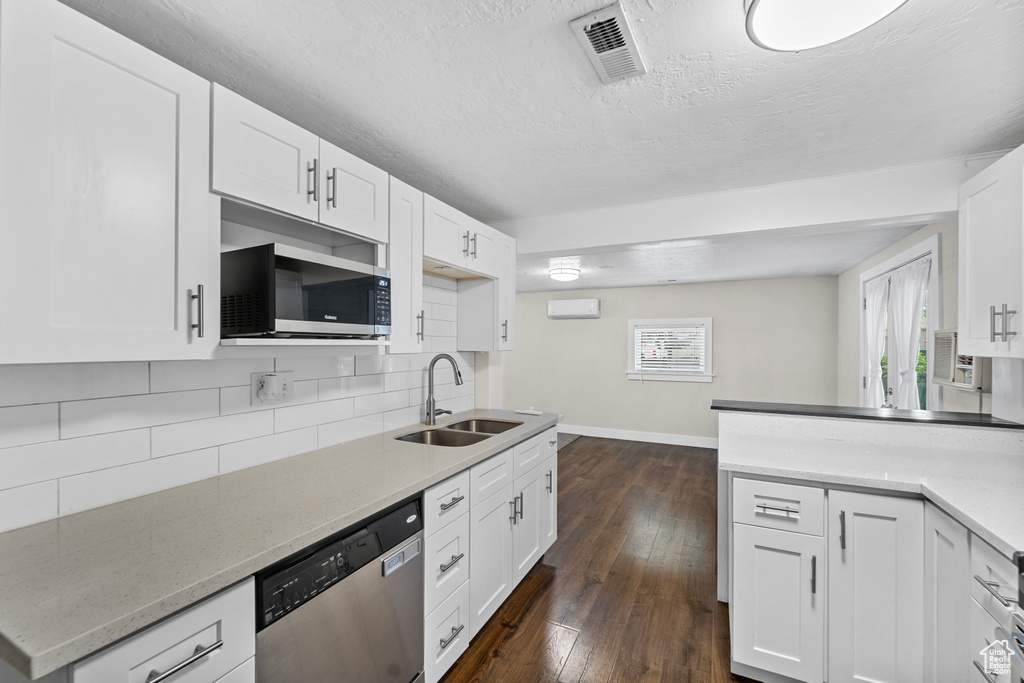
(563,274)
(795,25)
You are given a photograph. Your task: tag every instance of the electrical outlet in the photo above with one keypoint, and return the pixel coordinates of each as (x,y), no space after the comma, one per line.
(271,387)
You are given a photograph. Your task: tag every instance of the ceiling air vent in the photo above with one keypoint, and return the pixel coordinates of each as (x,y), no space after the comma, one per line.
(609,43)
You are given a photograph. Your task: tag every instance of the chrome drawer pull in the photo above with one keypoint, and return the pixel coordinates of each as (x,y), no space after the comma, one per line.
(765,507)
(1020,620)
(455,501)
(984,673)
(198,326)
(455,559)
(513,516)
(993,588)
(550,486)
(455,632)
(842,529)
(200,652)
(814,574)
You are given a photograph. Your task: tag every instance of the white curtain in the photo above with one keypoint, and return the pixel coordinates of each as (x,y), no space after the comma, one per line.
(876,292)
(907,290)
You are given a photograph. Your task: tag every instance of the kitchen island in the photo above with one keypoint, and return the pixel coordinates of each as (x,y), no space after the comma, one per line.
(71,586)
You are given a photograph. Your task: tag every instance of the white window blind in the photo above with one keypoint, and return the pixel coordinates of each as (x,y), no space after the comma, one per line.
(672,349)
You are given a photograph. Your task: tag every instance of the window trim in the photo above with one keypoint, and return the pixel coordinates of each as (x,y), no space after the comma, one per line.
(675,376)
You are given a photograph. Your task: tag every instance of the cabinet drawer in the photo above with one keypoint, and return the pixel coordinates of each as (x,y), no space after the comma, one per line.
(549,442)
(446,562)
(243,674)
(446,501)
(988,564)
(446,634)
(984,632)
(778,506)
(530,453)
(489,476)
(229,617)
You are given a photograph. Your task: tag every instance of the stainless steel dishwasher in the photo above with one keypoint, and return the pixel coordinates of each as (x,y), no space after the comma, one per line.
(347,609)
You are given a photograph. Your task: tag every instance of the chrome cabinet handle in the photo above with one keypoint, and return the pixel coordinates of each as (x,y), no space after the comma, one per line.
(991,328)
(419,326)
(474,244)
(1005,314)
(455,560)
(455,501)
(456,630)
(465,248)
(765,507)
(550,480)
(1020,621)
(984,674)
(814,574)
(1006,323)
(504,331)
(200,652)
(842,529)
(332,188)
(198,326)
(314,184)
(513,517)
(519,507)
(993,588)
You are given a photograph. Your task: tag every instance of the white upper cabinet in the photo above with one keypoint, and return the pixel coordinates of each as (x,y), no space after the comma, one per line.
(405,259)
(506,293)
(446,233)
(267,160)
(354,194)
(485,250)
(990,256)
(105,217)
(263,158)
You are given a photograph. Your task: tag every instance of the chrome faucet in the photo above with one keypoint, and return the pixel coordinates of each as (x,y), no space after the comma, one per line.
(433,412)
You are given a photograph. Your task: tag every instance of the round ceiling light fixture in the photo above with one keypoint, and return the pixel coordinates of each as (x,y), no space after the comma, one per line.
(795,25)
(563,274)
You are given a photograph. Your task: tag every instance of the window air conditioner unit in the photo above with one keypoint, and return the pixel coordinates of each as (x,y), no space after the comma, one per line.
(951,369)
(574,308)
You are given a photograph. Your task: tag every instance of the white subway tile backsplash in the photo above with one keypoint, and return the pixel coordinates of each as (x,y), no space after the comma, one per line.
(192,436)
(317,368)
(242,454)
(82,435)
(121,483)
(24,465)
(184,375)
(350,430)
(347,387)
(28,424)
(27,505)
(310,414)
(25,384)
(97,416)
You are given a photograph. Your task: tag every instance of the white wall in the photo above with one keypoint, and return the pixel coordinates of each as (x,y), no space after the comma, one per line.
(774,340)
(79,436)
(849,311)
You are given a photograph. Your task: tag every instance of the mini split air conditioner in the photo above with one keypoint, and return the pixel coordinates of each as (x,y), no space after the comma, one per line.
(574,308)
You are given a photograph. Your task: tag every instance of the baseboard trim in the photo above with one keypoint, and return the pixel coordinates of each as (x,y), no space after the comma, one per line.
(631,435)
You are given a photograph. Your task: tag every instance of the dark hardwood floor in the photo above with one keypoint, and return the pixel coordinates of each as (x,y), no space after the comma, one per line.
(627,592)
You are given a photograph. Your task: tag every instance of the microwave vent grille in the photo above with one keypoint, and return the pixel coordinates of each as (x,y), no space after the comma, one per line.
(239,311)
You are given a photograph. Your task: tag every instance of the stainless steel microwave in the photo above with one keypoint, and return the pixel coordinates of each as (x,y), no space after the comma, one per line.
(277,290)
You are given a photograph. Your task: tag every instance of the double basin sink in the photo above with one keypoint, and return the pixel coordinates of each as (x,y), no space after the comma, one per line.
(465,433)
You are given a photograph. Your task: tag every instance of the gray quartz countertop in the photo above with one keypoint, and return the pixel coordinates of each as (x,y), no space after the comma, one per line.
(939,417)
(73,585)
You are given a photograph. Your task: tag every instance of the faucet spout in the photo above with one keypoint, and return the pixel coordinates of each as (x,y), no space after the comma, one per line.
(432,410)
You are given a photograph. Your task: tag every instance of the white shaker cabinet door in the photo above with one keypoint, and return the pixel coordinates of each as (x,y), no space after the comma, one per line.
(778,605)
(263,158)
(947,598)
(549,503)
(507,294)
(485,255)
(405,259)
(105,219)
(353,195)
(876,596)
(490,556)
(527,529)
(446,233)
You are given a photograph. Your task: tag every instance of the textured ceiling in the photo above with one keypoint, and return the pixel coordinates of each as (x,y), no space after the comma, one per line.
(492,106)
(750,256)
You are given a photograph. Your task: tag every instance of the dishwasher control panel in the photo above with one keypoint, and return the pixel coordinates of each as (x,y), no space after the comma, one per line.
(283,587)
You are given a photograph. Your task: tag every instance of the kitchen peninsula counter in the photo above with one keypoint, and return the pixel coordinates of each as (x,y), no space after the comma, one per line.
(72,585)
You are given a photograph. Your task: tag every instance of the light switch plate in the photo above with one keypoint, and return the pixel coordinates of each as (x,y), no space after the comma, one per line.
(271,387)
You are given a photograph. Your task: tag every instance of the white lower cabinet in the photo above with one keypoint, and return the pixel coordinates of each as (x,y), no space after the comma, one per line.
(549,503)
(446,562)
(446,634)
(778,609)
(490,559)
(223,626)
(947,597)
(984,634)
(527,524)
(246,673)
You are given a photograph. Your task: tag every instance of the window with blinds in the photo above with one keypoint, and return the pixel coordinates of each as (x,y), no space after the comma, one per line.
(676,349)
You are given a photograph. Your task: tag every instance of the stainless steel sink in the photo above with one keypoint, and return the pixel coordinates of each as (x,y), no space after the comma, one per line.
(444,437)
(484,426)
